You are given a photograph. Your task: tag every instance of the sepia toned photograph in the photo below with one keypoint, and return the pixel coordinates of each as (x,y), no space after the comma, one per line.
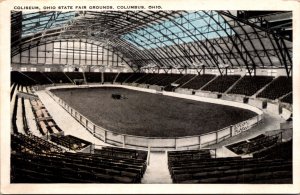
(148,95)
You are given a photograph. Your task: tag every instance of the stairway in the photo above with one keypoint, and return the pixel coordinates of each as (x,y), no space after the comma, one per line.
(157,171)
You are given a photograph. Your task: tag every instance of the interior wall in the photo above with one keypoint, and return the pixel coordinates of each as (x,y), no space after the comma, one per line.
(70,52)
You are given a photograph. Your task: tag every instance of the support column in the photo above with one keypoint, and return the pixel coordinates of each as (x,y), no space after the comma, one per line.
(231,130)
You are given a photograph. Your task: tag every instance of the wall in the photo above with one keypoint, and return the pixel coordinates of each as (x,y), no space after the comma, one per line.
(71,52)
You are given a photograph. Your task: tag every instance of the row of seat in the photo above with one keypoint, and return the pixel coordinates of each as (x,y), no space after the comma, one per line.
(246,86)
(255,144)
(280,86)
(34,160)
(44,120)
(69,141)
(249,85)
(129,153)
(32,143)
(18,107)
(288,98)
(274,169)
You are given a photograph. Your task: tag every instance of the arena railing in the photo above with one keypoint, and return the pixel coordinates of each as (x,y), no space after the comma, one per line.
(157,143)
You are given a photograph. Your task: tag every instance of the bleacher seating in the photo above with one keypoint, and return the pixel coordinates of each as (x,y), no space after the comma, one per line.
(32,143)
(288,98)
(122,152)
(109,77)
(198,82)
(57,77)
(185,78)
(34,160)
(155,79)
(170,78)
(280,86)
(135,77)
(75,75)
(221,83)
(39,77)
(14,116)
(234,170)
(145,78)
(21,79)
(249,85)
(13,90)
(93,77)
(69,141)
(123,76)
(24,119)
(255,144)
(283,150)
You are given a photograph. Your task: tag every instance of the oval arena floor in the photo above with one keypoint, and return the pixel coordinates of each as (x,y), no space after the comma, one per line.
(150,114)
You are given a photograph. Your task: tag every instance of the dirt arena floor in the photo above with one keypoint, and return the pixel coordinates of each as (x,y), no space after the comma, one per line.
(151,115)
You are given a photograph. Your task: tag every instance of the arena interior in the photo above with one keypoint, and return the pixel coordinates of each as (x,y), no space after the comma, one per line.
(151,97)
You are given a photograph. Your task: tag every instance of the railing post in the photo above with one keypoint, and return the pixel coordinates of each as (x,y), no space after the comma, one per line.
(105,134)
(200,142)
(124,137)
(231,130)
(217,136)
(94,129)
(175,144)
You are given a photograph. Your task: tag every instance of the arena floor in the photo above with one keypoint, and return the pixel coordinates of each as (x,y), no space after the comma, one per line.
(151,115)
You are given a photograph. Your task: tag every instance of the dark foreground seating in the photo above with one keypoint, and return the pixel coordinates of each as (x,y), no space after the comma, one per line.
(255,144)
(263,168)
(34,160)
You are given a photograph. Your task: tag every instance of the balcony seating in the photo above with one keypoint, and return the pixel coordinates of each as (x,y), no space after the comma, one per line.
(250,85)
(93,77)
(135,77)
(123,76)
(288,98)
(39,77)
(109,77)
(280,86)
(57,77)
(221,83)
(198,82)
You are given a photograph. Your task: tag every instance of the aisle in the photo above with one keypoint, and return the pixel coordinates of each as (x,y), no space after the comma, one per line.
(157,172)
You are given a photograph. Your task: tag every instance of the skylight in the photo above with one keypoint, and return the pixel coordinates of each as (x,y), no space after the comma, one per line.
(184,28)
(37,22)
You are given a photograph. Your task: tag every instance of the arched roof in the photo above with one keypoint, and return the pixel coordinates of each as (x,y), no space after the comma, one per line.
(169,39)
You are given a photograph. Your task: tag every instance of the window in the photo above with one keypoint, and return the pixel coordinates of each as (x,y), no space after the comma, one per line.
(23,69)
(47,69)
(33,69)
